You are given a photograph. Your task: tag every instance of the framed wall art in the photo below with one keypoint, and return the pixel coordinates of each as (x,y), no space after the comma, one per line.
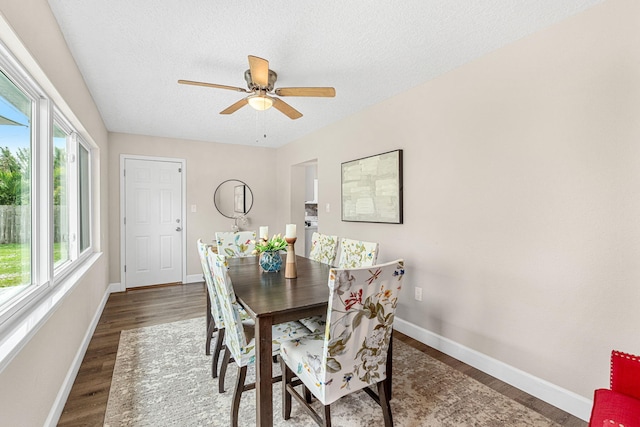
(372,188)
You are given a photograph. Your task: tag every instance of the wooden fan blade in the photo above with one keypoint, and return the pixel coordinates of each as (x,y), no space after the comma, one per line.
(328,92)
(259,71)
(235,107)
(190,82)
(286,109)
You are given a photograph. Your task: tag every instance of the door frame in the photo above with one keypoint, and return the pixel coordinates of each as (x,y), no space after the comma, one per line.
(183,203)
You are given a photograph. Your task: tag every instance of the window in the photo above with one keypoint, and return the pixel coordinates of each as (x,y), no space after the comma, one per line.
(60,190)
(84,199)
(16,109)
(45,198)
(71,197)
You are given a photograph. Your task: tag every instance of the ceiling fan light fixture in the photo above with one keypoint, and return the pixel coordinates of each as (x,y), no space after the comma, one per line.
(260,102)
(260,82)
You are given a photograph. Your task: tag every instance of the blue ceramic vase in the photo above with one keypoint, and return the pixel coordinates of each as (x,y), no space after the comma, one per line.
(270,261)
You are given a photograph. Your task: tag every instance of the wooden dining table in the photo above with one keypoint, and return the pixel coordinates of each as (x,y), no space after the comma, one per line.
(270,298)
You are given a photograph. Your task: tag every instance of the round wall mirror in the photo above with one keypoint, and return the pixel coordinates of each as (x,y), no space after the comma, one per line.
(233,198)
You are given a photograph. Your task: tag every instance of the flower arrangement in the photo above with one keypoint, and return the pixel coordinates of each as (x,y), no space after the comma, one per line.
(276,243)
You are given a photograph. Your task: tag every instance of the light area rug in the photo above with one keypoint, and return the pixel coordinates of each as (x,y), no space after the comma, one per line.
(162,377)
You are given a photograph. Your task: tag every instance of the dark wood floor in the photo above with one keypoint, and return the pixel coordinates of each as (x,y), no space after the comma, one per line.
(87,401)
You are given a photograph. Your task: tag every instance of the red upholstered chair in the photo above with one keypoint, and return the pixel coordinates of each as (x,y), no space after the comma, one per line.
(619,405)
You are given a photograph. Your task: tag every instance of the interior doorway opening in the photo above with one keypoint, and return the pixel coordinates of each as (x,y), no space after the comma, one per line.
(304,202)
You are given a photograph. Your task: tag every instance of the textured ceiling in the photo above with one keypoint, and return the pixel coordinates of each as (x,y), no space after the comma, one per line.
(132,52)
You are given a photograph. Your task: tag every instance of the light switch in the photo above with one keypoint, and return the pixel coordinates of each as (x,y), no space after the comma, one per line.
(327,208)
(194,208)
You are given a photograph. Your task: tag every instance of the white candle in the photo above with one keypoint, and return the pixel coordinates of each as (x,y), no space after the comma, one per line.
(291,231)
(264,232)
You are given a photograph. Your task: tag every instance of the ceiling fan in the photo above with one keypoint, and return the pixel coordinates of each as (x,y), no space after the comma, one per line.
(260,81)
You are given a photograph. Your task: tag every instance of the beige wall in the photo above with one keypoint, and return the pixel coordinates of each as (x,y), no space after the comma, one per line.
(520,196)
(208,165)
(30,383)
(520,203)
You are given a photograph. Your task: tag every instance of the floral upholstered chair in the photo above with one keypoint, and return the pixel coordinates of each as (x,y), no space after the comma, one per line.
(213,316)
(236,244)
(215,322)
(352,352)
(323,248)
(239,339)
(355,253)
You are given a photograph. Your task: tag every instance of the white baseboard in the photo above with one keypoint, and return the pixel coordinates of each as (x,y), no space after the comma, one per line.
(194,278)
(116,287)
(559,397)
(65,389)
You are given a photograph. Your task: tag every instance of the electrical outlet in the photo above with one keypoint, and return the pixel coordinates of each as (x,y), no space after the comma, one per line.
(418,294)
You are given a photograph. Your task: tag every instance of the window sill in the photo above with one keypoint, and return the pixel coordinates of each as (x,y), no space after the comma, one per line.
(20,330)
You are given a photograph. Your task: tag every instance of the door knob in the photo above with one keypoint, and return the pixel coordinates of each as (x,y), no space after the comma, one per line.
(178,228)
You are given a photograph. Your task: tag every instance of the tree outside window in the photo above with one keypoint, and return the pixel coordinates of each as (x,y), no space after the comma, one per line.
(15,187)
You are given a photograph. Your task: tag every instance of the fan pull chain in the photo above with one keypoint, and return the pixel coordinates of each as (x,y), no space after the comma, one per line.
(264,125)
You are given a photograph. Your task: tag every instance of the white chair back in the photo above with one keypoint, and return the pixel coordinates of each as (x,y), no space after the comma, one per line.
(236,244)
(356,253)
(323,248)
(208,279)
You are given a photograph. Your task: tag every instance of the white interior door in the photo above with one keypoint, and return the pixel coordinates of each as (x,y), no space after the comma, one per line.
(153,222)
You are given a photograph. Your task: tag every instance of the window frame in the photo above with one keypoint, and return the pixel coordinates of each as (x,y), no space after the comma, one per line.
(84,253)
(44,277)
(74,141)
(62,124)
(39,279)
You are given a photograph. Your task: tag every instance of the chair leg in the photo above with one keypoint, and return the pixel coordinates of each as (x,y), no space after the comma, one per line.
(307,393)
(287,375)
(384,403)
(216,353)
(214,367)
(235,406)
(326,417)
(223,369)
(211,328)
(322,419)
